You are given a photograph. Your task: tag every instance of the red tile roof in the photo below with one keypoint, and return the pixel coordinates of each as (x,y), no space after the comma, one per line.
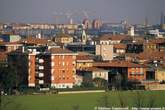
(117,64)
(35,41)
(92,69)
(83,57)
(151,55)
(112,37)
(59,50)
(156,41)
(10,43)
(119,46)
(63,35)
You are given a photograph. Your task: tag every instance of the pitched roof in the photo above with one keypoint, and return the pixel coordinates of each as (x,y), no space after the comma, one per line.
(83,57)
(11,43)
(63,35)
(156,41)
(119,46)
(92,69)
(117,63)
(112,37)
(35,41)
(59,51)
(151,55)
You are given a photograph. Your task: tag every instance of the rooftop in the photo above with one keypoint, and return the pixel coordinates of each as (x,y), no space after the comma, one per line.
(117,63)
(59,51)
(119,46)
(151,55)
(92,69)
(63,35)
(112,37)
(35,41)
(84,57)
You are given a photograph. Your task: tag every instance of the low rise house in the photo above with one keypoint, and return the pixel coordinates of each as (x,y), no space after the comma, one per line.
(91,73)
(83,61)
(108,39)
(63,39)
(10,46)
(160,74)
(10,37)
(128,70)
(119,48)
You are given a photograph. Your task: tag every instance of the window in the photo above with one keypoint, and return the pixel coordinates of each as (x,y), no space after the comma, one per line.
(52,78)
(63,63)
(53,64)
(63,57)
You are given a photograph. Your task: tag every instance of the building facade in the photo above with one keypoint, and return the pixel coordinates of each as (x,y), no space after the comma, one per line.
(104,52)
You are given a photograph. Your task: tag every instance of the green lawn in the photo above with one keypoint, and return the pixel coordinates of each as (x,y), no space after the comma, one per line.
(85,101)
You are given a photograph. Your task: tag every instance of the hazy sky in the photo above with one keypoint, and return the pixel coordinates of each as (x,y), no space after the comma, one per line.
(51,11)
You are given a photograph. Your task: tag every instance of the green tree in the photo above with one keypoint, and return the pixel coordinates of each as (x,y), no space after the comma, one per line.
(7,78)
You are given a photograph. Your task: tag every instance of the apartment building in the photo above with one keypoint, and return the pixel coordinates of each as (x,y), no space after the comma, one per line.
(56,67)
(83,61)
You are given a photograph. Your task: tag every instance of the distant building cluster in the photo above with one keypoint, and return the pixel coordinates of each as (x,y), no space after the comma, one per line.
(68,55)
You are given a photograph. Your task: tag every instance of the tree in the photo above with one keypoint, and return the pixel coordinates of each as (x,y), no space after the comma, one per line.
(7,78)
(118,81)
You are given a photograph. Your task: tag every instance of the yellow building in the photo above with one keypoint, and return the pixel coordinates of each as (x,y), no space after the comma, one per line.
(83,61)
(160,74)
(150,46)
(63,38)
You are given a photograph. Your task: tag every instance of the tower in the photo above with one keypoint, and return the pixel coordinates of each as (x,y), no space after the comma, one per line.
(96,23)
(162,21)
(83,37)
(146,21)
(131,31)
(87,24)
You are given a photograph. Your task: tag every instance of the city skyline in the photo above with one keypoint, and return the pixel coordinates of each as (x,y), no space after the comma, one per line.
(59,11)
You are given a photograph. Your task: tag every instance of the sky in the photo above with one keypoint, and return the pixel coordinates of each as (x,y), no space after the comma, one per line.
(60,11)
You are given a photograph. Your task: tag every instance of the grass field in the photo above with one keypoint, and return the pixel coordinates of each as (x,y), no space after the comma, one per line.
(85,101)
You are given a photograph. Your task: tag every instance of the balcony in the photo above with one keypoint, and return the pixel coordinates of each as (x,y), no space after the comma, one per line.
(41,81)
(41,61)
(40,67)
(40,75)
